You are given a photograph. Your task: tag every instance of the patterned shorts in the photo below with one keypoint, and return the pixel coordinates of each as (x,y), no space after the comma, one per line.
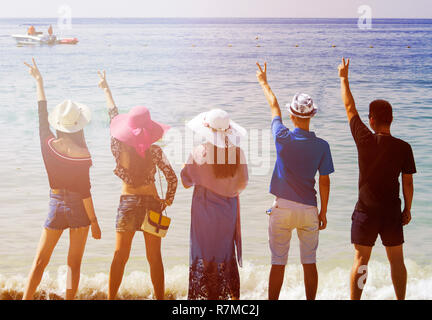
(132,210)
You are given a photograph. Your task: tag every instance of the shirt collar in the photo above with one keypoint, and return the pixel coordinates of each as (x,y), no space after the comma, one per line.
(304,133)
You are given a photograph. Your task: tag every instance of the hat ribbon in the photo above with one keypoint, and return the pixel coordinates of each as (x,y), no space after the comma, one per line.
(63,121)
(301,114)
(207,125)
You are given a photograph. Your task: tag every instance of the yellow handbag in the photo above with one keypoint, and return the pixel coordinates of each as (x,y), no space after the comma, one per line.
(154,222)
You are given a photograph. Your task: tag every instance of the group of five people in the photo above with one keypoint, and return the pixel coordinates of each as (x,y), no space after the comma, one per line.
(217,169)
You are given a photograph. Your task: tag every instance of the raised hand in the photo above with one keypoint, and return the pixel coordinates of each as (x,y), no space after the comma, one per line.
(343,68)
(103,84)
(262,75)
(271,98)
(34,71)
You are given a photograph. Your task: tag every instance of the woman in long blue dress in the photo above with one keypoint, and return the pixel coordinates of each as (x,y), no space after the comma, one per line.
(218,171)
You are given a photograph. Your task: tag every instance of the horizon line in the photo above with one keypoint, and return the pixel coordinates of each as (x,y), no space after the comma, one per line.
(204,17)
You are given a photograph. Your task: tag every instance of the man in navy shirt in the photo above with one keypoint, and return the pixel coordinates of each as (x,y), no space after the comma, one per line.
(382,159)
(300,155)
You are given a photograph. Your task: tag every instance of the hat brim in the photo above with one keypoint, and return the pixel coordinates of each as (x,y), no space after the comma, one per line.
(314,112)
(120,130)
(217,138)
(84,119)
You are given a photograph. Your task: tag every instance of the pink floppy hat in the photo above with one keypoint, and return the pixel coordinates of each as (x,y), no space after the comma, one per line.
(137,129)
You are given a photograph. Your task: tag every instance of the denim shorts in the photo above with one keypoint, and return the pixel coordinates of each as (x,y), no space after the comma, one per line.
(66,210)
(132,211)
(366,227)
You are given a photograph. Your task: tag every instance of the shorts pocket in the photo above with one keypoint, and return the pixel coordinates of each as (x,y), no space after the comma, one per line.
(126,217)
(359,216)
(125,210)
(53,208)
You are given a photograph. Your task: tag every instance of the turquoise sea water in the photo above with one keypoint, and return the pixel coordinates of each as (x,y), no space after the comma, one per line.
(181,67)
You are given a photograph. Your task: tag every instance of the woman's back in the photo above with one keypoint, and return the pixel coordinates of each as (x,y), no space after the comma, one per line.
(67,164)
(200,170)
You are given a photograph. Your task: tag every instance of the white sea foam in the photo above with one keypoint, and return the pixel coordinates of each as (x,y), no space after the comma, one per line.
(333,284)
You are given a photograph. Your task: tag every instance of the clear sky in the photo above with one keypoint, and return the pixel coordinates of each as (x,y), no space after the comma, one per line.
(218,8)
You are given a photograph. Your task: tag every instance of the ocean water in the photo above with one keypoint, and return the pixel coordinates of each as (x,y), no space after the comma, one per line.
(179,68)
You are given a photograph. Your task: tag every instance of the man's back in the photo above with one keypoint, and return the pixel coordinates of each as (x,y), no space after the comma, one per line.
(382,158)
(300,154)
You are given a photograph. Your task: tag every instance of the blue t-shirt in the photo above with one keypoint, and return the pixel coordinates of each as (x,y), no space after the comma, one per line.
(300,154)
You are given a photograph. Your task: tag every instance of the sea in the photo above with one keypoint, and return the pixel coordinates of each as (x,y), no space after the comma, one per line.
(179,68)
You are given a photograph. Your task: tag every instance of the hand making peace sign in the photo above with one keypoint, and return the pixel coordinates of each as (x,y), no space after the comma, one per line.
(262,75)
(343,68)
(34,71)
(103,84)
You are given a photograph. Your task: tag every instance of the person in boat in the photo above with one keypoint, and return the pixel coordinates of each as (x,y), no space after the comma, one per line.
(31,31)
(138,159)
(218,172)
(50,38)
(67,162)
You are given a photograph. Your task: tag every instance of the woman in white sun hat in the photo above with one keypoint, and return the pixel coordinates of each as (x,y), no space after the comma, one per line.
(67,162)
(218,171)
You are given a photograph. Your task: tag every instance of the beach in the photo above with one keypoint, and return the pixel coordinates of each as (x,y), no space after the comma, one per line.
(179,68)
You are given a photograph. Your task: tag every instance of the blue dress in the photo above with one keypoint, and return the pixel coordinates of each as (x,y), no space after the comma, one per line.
(214,236)
(215,233)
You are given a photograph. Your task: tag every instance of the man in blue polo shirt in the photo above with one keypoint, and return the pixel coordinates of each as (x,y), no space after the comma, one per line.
(300,155)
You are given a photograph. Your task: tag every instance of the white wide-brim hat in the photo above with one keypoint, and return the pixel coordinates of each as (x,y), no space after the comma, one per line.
(302,106)
(69,116)
(217,128)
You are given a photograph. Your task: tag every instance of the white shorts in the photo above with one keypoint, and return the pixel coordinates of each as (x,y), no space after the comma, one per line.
(288,215)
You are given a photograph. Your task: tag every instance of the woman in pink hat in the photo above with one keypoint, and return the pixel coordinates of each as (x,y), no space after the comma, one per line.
(137,157)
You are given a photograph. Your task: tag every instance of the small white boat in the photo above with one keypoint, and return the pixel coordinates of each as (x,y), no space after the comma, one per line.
(25,39)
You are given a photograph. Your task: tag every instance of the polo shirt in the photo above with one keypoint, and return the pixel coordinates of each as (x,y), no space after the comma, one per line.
(300,154)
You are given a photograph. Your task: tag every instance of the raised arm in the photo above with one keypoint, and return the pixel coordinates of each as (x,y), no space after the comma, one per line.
(408,192)
(324,190)
(103,84)
(35,73)
(44,130)
(347,97)
(271,98)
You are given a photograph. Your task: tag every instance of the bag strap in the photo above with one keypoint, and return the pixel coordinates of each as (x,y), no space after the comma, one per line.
(160,183)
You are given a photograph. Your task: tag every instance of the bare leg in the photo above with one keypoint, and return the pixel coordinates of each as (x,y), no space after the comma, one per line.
(77,242)
(47,243)
(310,280)
(276,279)
(398,270)
(121,256)
(154,258)
(359,270)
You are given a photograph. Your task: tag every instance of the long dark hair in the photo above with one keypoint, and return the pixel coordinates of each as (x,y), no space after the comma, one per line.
(225,168)
(139,167)
(77,137)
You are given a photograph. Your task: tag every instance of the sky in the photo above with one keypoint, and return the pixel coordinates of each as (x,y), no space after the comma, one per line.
(217,8)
